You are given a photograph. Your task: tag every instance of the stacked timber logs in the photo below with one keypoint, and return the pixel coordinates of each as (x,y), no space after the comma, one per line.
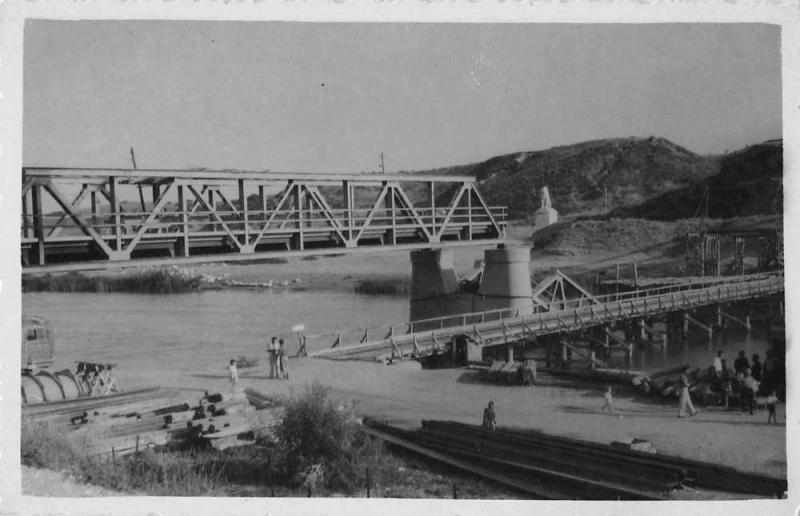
(216,420)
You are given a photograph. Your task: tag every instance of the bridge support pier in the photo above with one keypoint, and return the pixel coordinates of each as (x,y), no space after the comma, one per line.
(506,280)
(505,283)
(433,280)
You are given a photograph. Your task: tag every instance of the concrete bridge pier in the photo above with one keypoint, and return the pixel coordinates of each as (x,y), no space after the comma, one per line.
(434,284)
(505,283)
(506,280)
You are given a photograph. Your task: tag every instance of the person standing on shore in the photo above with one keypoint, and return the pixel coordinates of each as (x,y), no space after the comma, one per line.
(489,417)
(685,396)
(283,365)
(233,373)
(748,391)
(272,350)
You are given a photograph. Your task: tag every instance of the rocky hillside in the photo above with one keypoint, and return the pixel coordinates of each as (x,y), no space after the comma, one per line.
(750,182)
(629,170)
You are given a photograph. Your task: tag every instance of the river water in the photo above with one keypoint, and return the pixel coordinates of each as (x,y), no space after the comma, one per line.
(189,331)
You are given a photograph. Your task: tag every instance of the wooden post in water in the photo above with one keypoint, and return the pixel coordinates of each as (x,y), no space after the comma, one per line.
(685,327)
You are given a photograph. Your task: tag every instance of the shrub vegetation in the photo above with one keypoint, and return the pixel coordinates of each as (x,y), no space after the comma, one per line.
(385,287)
(163,280)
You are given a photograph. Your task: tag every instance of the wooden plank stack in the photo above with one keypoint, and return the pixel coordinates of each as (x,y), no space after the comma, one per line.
(216,420)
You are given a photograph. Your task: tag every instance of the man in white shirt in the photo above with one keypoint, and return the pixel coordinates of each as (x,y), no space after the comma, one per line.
(718,364)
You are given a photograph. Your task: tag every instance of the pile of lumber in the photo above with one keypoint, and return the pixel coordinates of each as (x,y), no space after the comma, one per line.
(509,373)
(216,420)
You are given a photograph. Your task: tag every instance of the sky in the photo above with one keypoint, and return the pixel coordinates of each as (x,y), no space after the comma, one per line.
(331,97)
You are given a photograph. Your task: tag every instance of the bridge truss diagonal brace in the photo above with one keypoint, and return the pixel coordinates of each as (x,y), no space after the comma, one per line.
(452,208)
(375,207)
(555,287)
(214,214)
(87,230)
(474,191)
(287,192)
(407,205)
(73,206)
(157,207)
(316,197)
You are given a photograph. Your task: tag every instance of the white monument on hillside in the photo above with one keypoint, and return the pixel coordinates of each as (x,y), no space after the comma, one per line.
(546,214)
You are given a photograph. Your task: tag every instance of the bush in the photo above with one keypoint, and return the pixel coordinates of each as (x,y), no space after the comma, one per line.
(315,434)
(154,473)
(390,287)
(164,280)
(41,446)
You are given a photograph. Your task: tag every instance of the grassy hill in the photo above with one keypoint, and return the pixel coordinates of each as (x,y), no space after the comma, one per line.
(629,170)
(749,183)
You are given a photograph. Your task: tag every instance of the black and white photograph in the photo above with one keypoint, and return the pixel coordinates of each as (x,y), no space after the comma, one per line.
(272,261)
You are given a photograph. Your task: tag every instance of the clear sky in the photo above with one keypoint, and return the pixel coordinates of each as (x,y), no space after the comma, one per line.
(331,97)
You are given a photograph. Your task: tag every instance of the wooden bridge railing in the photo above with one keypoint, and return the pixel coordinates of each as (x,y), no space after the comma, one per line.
(605,310)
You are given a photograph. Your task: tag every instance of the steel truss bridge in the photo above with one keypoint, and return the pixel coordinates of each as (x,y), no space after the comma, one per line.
(107,217)
(435,336)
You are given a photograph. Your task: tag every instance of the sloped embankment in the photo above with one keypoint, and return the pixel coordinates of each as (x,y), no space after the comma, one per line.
(583,237)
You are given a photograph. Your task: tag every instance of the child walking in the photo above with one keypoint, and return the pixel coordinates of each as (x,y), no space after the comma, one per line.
(772,401)
(234,375)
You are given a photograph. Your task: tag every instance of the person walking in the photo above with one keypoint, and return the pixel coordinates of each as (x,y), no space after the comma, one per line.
(772,402)
(272,351)
(489,417)
(685,396)
(301,351)
(608,400)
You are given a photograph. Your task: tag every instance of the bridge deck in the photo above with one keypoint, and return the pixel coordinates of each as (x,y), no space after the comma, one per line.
(500,326)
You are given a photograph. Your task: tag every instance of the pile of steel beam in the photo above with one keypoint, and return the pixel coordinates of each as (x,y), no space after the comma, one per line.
(554,467)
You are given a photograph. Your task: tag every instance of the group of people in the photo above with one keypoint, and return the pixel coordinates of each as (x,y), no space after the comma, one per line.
(278,359)
(746,380)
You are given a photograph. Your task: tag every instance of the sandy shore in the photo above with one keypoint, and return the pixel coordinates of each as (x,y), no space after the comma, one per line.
(404,394)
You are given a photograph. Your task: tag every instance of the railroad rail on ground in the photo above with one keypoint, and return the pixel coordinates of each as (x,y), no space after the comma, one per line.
(433,336)
(97,218)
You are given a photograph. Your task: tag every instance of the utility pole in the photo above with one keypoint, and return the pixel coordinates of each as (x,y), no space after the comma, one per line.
(141,194)
(605,199)
(383,170)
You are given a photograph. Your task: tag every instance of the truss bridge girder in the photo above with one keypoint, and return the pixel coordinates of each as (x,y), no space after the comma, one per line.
(101,216)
